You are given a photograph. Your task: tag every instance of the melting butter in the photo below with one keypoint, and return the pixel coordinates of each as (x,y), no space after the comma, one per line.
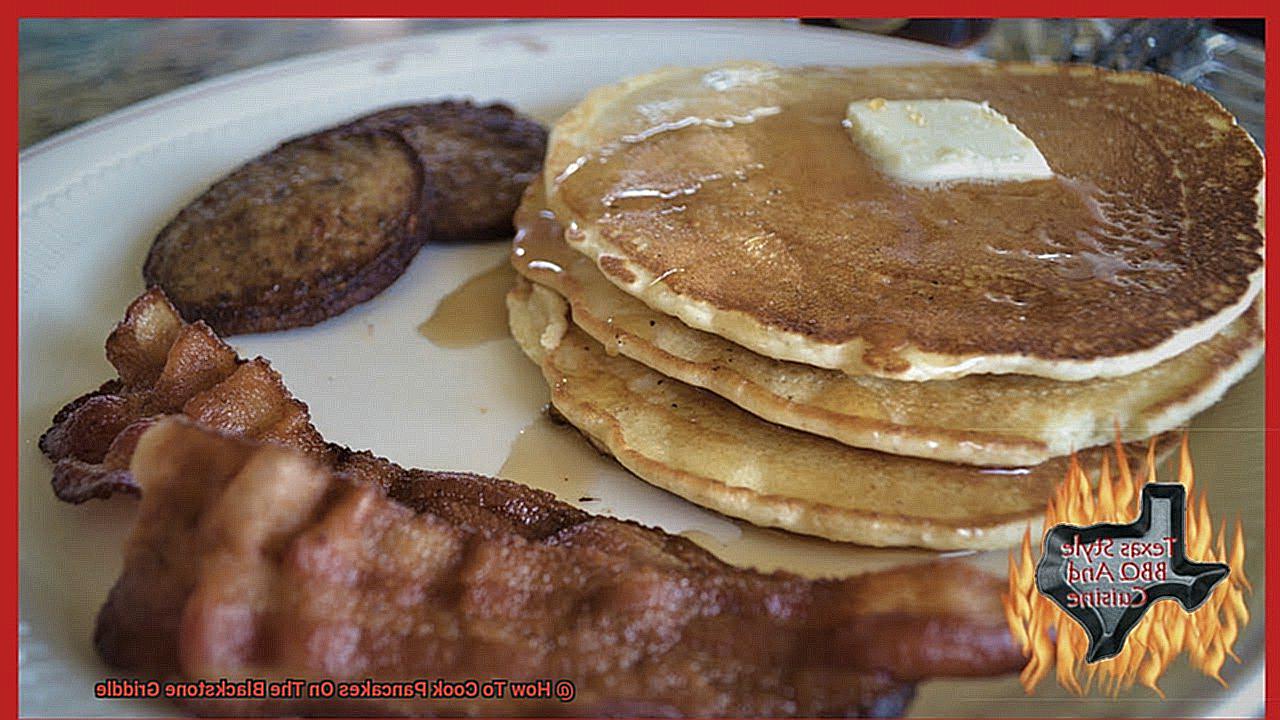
(933,141)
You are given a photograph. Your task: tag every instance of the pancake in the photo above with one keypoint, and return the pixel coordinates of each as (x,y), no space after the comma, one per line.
(980,419)
(733,198)
(695,444)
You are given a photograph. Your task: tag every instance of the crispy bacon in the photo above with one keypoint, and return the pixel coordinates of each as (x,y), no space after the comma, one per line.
(292,557)
(253,560)
(167,366)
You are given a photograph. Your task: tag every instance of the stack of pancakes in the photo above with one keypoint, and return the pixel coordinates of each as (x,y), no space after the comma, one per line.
(724,292)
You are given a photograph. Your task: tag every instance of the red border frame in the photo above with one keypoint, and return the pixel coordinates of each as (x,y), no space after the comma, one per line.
(650,9)
(9,262)
(1272,441)
(614,8)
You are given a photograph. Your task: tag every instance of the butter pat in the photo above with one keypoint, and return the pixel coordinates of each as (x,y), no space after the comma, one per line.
(934,141)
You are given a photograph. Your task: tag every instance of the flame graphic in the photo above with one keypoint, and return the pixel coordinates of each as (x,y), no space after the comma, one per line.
(1051,639)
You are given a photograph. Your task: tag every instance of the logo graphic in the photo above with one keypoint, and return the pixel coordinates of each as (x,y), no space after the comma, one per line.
(1131,575)
(1106,576)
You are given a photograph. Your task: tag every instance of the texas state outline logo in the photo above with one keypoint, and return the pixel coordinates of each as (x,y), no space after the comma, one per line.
(1131,575)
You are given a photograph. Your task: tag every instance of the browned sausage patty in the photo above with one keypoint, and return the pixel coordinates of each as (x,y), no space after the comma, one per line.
(329,220)
(295,236)
(477,160)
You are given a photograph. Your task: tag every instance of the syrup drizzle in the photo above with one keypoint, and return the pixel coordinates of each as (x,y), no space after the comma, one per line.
(474,313)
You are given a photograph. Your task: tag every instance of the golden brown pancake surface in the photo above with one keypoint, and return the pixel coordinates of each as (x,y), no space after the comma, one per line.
(734,198)
(705,449)
(978,419)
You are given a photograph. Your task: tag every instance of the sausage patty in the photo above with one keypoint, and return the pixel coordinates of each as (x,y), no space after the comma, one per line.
(477,159)
(329,220)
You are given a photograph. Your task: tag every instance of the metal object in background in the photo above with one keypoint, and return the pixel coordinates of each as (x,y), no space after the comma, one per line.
(1224,58)
(1229,66)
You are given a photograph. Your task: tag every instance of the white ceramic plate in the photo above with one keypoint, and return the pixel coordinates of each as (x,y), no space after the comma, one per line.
(91,199)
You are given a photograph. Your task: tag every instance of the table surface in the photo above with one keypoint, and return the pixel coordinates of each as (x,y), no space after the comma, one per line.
(71,71)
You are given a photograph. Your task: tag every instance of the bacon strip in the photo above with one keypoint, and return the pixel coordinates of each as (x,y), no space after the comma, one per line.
(167,366)
(292,557)
(253,560)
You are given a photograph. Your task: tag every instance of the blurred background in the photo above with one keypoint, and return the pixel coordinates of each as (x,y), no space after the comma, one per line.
(71,71)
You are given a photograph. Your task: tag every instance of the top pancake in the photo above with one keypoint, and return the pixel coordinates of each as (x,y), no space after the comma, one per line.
(733,198)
